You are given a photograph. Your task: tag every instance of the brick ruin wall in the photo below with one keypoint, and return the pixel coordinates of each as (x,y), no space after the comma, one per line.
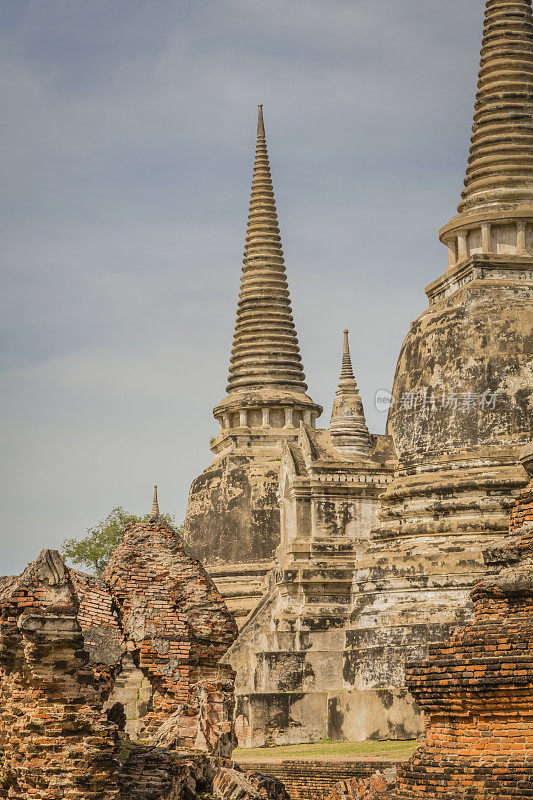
(64,638)
(315,780)
(175,622)
(55,741)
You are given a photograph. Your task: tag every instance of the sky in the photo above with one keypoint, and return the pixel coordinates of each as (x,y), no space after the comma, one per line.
(127,140)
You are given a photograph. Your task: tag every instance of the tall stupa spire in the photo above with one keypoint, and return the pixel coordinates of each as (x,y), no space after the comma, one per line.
(265,350)
(266,392)
(347,428)
(500,166)
(497,200)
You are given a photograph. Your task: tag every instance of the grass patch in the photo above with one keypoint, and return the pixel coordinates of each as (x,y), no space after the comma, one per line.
(328,749)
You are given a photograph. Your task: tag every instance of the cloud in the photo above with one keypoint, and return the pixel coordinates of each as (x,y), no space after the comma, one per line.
(127,140)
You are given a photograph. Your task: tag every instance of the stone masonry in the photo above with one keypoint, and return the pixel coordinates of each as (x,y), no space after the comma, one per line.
(476,689)
(289,654)
(347,558)
(477,692)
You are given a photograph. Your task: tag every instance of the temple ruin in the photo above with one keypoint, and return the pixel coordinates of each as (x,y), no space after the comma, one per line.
(341,553)
(476,689)
(332,582)
(74,652)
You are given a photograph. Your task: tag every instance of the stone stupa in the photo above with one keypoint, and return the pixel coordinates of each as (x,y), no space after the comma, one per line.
(232,519)
(463,407)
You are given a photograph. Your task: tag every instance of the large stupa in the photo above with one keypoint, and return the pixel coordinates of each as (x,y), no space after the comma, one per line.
(463,393)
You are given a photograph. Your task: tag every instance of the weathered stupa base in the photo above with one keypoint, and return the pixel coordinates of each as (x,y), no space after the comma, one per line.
(476,689)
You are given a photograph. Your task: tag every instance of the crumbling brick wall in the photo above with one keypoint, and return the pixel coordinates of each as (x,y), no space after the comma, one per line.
(327,778)
(175,621)
(154,773)
(56,743)
(378,787)
(477,689)
(477,694)
(63,639)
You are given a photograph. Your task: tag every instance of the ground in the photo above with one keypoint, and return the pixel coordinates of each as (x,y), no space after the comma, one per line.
(328,749)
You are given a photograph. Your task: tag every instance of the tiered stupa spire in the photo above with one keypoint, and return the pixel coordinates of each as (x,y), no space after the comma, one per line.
(500,167)
(266,384)
(265,346)
(347,378)
(499,176)
(347,428)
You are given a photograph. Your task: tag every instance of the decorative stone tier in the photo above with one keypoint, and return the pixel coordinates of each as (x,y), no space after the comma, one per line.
(468,493)
(242,585)
(490,233)
(261,418)
(476,689)
(496,210)
(479,268)
(407,592)
(500,166)
(412,584)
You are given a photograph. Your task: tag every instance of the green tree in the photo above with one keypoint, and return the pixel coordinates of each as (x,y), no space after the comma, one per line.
(94,550)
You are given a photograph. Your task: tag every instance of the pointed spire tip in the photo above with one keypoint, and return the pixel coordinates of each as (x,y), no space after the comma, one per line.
(347,378)
(265,353)
(155,505)
(346,343)
(260,122)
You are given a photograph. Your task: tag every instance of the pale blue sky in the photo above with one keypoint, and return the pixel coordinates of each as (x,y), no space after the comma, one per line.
(127,137)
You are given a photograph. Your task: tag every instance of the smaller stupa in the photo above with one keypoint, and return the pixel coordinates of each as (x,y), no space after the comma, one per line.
(347,428)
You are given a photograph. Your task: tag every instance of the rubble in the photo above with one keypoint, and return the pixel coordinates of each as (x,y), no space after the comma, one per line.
(66,639)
